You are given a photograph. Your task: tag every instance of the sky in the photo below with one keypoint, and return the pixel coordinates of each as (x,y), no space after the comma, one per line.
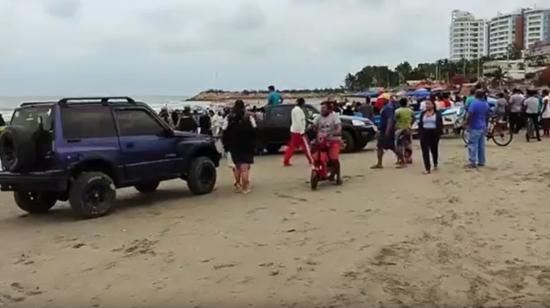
(169,47)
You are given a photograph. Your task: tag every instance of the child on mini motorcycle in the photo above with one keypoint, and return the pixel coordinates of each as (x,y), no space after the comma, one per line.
(329,129)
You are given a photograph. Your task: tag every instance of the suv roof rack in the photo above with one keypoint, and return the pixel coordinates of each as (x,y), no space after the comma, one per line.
(27,104)
(104,100)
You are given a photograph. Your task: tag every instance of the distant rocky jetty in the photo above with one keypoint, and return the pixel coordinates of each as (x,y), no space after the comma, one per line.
(224,96)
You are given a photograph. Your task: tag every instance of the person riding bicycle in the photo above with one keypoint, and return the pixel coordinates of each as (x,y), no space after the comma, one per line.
(329,128)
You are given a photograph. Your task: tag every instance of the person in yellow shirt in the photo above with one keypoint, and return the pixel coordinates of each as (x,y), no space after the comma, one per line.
(404,119)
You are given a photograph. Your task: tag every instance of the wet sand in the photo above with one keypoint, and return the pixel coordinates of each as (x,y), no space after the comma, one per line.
(387,238)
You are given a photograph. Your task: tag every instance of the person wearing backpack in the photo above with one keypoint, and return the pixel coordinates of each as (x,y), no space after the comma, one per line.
(240,140)
(186,123)
(205,123)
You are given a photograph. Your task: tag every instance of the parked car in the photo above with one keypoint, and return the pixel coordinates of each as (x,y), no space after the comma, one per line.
(274,130)
(82,149)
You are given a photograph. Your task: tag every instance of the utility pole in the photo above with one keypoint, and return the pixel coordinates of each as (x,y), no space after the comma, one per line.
(478,69)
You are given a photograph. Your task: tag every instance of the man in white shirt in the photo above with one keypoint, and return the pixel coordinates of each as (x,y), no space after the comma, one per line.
(298,138)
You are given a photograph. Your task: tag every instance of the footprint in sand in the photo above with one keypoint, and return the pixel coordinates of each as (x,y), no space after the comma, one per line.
(284,196)
(138,247)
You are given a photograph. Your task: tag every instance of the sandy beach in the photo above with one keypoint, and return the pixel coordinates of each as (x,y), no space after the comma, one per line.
(388,238)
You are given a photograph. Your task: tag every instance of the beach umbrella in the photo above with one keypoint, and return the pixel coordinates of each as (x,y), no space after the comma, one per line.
(421,92)
(386,96)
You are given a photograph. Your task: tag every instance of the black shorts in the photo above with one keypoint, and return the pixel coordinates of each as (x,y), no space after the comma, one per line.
(386,142)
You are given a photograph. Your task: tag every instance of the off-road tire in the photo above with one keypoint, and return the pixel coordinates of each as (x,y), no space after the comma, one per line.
(92,194)
(314,181)
(348,142)
(202,176)
(147,188)
(35,202)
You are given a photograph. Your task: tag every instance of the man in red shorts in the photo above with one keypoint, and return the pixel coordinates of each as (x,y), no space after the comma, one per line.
(329,126)
(298,138)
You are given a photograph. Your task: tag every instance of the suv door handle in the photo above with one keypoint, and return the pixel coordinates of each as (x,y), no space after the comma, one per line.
(130,145)
(73,140)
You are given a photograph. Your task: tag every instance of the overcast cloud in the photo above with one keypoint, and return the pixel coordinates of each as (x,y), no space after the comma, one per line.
(82,47)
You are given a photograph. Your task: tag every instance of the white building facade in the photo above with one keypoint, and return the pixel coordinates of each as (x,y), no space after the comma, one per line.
(467,36)
(537,22)
(502,33)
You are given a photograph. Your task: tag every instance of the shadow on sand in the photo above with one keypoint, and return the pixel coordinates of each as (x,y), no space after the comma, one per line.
(127,201)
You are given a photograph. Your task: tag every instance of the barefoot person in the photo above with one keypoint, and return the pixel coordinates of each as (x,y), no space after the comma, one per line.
(298,138)
(430,128)
(240,135)
(386,139)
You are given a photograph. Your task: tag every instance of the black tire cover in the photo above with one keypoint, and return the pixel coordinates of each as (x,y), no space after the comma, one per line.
(17,149)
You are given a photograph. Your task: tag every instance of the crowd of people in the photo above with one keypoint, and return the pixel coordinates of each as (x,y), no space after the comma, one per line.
(396,120)
(235,128)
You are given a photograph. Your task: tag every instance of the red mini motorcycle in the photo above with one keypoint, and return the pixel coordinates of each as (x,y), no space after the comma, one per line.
(322,168)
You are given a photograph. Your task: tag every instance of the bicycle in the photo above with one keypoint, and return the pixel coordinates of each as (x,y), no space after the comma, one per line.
(498,130)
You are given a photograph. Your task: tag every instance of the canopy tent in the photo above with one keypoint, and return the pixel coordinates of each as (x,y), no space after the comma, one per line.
(439,89)
(420,93)
(402,93)
(371,94)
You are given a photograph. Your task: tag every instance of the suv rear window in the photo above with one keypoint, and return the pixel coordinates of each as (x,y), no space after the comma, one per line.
(279,114)
(29,117)
(87,122)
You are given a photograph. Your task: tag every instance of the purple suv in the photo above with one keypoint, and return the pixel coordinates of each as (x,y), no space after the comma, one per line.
(82,149)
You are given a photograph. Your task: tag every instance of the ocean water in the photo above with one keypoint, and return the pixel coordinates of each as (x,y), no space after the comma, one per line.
(9,103)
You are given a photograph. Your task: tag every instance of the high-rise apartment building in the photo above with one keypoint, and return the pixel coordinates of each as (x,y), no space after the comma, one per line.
(472,38)
(537,24)
(505,31)
(468,36)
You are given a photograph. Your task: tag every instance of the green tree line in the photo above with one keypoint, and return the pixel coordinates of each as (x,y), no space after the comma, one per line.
(441,70)
(444,70)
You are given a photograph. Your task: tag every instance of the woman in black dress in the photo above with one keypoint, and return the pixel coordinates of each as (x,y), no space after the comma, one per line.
(240,139)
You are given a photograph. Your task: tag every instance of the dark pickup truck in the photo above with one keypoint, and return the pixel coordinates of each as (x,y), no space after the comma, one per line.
(274,130)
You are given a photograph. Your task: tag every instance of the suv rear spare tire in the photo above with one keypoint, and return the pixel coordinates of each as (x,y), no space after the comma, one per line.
(35,202)
(92,194)
(17,148)
(202,176)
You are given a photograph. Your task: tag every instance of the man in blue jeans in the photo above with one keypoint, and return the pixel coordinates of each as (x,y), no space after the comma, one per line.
(478,116)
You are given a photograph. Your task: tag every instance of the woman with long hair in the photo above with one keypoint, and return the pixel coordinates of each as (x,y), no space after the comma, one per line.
(240,140)
(430,128)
